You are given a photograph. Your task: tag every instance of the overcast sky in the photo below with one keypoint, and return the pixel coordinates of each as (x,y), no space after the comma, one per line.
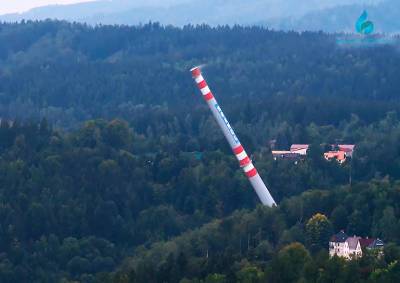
(12,6)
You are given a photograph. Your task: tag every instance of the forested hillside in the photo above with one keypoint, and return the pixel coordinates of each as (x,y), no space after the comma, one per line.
(112,169)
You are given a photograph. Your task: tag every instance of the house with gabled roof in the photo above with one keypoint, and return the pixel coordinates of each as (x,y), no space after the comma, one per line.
(337,245)
(339,156)
(353,247)
(377,244)
(340,152)
(299,148)
(347,148)
(296,153)
(347,247)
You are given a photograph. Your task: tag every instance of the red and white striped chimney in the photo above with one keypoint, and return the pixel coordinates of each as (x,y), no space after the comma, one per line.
(241,155)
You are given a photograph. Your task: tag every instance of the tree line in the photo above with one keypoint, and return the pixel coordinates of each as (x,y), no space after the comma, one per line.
(112,168)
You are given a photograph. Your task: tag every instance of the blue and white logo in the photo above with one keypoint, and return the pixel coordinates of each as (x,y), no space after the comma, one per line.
(364,36)
(363,25)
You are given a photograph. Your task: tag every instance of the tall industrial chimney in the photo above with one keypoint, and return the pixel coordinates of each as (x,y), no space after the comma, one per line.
(233,141)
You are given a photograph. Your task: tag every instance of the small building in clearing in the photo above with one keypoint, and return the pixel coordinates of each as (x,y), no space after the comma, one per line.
(299,148)
(347,247)
(339,156)
(296,153)
(284,154)
(340,153)
(347,148)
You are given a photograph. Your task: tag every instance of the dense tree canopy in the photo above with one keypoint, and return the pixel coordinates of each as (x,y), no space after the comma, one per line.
(112,169)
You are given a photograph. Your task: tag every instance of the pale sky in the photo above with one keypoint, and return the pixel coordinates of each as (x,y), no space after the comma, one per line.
(13,6)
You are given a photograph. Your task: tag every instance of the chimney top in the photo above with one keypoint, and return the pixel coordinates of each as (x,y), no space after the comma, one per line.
(195,71)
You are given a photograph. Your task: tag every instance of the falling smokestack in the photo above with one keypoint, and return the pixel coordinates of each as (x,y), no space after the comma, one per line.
(233,141)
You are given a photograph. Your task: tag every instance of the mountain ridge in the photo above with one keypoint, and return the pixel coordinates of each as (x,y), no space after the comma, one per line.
(343,18)
(289,15)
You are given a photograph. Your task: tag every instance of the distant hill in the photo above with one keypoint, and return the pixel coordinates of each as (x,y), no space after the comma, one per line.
(342,18)
(288,14)
(89,11)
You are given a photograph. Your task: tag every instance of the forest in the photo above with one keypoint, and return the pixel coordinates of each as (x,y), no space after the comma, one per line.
(113,170)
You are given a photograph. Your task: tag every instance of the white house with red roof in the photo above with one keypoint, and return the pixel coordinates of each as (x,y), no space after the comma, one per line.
(296,153)
(299,148)
(347,247)
(347,148)
(340,153)
(339,156)
(338,245)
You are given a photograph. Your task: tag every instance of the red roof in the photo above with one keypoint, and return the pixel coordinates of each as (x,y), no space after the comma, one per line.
(339,155)
(366,242)
(346,147)
(299,146)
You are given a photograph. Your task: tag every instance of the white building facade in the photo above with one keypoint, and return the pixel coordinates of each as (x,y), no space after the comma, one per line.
(347,247)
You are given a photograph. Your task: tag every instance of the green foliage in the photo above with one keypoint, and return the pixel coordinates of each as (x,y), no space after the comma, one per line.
(215,278)
(318,231)
(249,244)
(249,274)
(389,274)
(132,181)
(289,264)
